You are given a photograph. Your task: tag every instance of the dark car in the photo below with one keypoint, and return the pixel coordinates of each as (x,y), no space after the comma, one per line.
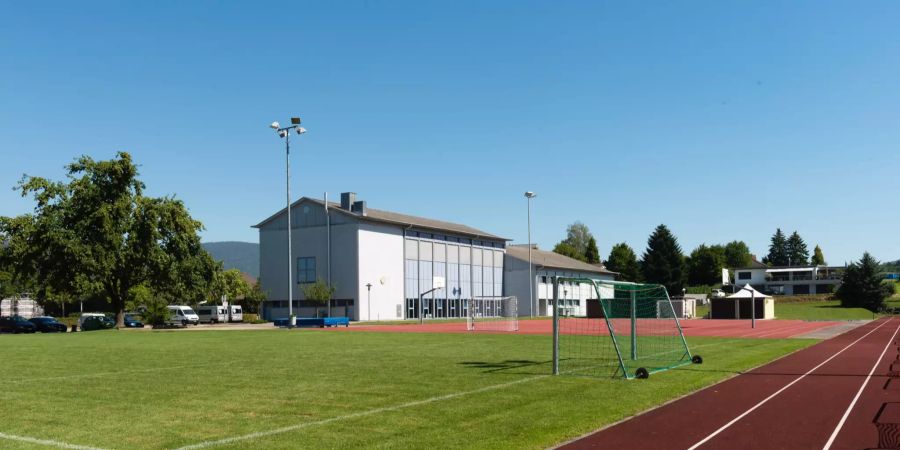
(16,324)
(132,322)
(97,323)
(48,325)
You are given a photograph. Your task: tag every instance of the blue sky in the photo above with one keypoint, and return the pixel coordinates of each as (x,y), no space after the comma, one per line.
(723,120)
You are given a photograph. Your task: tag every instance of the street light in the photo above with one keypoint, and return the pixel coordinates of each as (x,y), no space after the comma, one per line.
(286,134)
(369,295)
(530,195)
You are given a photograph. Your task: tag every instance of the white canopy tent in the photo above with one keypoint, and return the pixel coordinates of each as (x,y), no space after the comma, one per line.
(748,292)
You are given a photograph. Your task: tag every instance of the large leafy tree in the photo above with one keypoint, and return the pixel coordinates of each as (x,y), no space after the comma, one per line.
(818,258)
(623,260)
(230,284)
(705,265)
(98,235)
(778,251)
(861,285)
(737,254)
(566,249)
(577,243)
(663,261)
(797,253)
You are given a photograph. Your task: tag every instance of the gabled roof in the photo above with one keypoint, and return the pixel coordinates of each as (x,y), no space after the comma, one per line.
(377,215)
(551,260)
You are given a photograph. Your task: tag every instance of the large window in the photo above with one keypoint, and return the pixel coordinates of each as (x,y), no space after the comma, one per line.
(743,275)
(306,270)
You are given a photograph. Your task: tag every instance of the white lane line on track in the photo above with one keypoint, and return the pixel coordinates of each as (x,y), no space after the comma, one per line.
(369,412)
(45,442)
(840,424)
(765,400)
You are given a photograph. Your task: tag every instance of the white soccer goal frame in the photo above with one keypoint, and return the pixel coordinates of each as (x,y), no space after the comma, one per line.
(493,314)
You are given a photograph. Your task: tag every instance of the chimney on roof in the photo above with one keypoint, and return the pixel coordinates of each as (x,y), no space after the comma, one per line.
(347,200)
(359,208)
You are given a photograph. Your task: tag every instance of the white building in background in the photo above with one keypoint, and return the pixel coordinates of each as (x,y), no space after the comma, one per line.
(379,261)
(544,266)
(795,280)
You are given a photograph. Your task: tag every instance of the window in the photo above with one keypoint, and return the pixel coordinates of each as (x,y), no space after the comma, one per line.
(743,275)
(306,270)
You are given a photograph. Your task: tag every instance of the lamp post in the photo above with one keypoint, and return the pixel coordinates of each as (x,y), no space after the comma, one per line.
(752,305)
(530,195)
(369,300)
(285,132)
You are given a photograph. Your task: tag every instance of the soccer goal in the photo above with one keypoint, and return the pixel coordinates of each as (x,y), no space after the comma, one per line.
(615,329)
(493,314)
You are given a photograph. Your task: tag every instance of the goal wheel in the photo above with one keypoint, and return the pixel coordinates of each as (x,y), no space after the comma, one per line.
(697,359)
(641,373)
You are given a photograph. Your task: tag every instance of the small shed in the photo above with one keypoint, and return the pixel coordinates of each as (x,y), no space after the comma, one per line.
(738,305)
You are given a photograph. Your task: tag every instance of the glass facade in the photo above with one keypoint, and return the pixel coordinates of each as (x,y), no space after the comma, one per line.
(469,268)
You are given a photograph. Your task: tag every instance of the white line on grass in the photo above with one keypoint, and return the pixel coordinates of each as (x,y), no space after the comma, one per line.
(765,400)
(858,393)
(47,442)
(370,412)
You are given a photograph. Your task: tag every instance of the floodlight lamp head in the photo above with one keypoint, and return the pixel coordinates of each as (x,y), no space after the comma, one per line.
(283,133)
(275,125)
(295,121)
(530,194)
(301,130)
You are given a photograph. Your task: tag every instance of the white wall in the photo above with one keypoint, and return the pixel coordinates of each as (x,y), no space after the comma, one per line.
(757,277)
(381,264)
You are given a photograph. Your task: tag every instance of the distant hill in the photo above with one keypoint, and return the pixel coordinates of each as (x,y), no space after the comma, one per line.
(243,256)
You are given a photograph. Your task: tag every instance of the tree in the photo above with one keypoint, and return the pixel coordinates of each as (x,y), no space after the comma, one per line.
(861,285)
(566,249)
(737,254)
(623,260)
(319,292)
(797,253)
(577,242)
(778,251)
(592,253)
(818,258)
(705,265)
(663,262)
(252,300)
(230,284)
(98,235)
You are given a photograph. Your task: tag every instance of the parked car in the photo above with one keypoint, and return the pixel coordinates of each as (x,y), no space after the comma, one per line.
(182,315)
(236,313)
(212,314)
(131,321)
(46,324)
(717,293)
(92,323)
(84,317)
(16,324)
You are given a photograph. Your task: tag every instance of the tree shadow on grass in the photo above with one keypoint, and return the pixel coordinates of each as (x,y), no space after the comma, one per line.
(516,366)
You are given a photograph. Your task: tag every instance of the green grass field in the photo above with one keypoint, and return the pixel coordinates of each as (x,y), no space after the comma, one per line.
(315,389)
(820,310)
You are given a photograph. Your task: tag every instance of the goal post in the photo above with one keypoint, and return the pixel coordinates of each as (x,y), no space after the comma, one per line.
(493,314)
(610,328)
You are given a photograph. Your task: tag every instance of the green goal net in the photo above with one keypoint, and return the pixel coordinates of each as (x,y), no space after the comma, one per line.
(608,328)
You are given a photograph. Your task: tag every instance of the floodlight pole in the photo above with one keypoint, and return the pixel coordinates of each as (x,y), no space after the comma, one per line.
(555,326)
(530,195)
(752,306)
(285,132)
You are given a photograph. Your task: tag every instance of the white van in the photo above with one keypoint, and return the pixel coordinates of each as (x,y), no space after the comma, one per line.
(236,314)
(212,314)
(182,315)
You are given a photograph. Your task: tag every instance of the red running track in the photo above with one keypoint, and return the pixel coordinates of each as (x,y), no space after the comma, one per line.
(822,397)
(774,329)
